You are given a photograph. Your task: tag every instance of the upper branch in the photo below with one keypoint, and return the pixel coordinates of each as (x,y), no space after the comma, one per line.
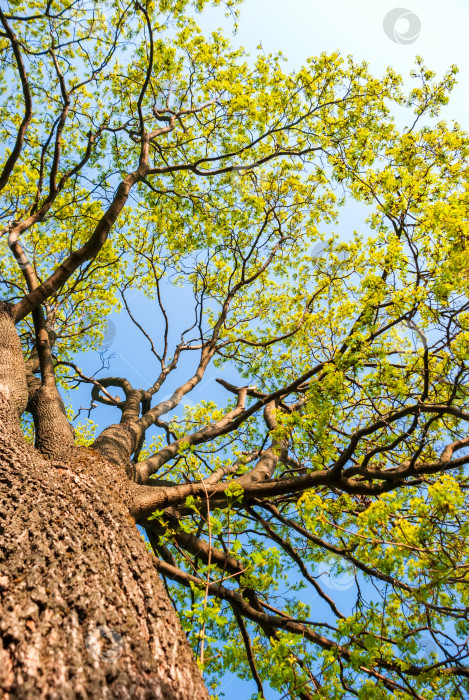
(87,252)
(209,432)
(28,105)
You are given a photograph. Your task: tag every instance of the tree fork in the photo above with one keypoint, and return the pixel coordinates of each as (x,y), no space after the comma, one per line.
(54,434)
(73,566)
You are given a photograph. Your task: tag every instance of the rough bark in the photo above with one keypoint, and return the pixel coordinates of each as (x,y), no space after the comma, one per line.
(12,366)
(54,436)
(83,612)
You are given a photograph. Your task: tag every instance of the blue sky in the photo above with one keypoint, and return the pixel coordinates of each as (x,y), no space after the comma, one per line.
(301,28)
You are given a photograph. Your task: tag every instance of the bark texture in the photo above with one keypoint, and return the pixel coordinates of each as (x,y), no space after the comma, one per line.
(54,436)
(83,612)
(12,366)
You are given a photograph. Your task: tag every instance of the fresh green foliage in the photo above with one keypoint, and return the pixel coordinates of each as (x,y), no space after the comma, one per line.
(350,575)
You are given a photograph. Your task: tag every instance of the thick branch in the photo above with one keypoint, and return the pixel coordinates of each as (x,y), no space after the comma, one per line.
(209,432)
(28,108)
(87,252)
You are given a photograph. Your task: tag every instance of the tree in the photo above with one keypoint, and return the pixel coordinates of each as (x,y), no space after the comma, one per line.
(141,155)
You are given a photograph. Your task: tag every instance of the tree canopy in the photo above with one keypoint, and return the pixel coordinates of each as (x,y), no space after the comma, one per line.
(140,154)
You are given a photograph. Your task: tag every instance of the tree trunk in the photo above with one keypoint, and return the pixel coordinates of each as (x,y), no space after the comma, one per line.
(83,613)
